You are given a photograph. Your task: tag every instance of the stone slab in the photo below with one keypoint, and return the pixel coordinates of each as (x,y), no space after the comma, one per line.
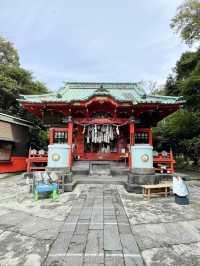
(77,244)
(159,235)
(94,242)
(93,260)
(183,254)
(96,218)
(85,214)
(111,238)
(114,259)
(131,251)
(71,260)
(17,249)
(129,244)
(14,218)
(61,244)
(40,228)
(81,228)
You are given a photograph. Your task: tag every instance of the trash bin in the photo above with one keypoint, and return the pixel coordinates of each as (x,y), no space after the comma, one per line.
(182,200)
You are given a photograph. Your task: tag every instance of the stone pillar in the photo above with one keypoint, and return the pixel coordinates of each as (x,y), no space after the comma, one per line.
(142,171)
(142,162)
(58,162)
(58,157)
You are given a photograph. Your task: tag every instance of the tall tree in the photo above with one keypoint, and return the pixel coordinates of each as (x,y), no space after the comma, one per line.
(187,21)
(14,80)
(181,130)
(8,54)
(185,80)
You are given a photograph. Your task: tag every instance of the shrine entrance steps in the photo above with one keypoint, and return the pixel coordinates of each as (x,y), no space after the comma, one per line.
(100,172)
(112,168)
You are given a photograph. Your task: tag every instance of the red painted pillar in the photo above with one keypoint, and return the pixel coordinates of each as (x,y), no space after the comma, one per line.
(150,136)
(132,141)
(171,163)
(51,137)
(132,133)
(70,142)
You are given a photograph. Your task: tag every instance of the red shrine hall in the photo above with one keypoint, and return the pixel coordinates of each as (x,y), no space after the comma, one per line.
(100,121)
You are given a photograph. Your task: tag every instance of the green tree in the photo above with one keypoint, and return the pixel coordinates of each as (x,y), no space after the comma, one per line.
(185,80)
(8,54)
(15,80)
(181,130)
(187,21)
(171,87)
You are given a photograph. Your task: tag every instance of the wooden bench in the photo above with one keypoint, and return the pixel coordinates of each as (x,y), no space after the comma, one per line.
(162,189)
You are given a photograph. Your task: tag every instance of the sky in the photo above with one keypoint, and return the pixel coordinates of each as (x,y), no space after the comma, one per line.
(93,41)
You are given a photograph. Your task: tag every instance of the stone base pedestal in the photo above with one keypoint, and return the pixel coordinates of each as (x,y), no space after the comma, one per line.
(68,187)
(99,168)
(58,170)
(143,179)
(68,182)
(139,177)
(133,188)
(143,171)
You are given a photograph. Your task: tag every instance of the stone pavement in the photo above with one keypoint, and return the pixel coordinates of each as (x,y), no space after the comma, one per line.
(97,224)
(96,232)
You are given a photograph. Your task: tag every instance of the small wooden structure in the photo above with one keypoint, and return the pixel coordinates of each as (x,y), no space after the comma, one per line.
(164,162)
(14,138)
(37,160)
(162,189)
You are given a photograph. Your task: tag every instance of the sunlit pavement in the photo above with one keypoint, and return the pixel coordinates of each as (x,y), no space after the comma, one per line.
(97,225)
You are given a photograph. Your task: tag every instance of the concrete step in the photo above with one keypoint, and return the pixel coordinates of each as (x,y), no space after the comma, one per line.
(96,179)
(116,168)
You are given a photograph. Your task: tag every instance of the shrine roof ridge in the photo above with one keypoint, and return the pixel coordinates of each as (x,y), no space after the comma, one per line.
(113,85)
(82,91)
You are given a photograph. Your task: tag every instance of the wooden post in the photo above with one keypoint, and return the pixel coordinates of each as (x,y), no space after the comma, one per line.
(132,141)
(150,137)
(70,142)
(51,137)
(29,161)
(171,162)
(132,133)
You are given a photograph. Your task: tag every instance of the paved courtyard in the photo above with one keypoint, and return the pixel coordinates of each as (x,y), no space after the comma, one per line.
(97,225)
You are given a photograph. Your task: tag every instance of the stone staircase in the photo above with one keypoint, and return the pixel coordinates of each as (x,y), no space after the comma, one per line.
(99,172)
(99,168)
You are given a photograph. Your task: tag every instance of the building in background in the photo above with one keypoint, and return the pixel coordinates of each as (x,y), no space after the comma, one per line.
(14,138)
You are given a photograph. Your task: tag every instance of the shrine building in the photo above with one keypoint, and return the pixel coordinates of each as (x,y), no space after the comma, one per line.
(101,121)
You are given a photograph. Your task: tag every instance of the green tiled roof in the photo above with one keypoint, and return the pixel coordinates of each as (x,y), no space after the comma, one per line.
(82,91)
